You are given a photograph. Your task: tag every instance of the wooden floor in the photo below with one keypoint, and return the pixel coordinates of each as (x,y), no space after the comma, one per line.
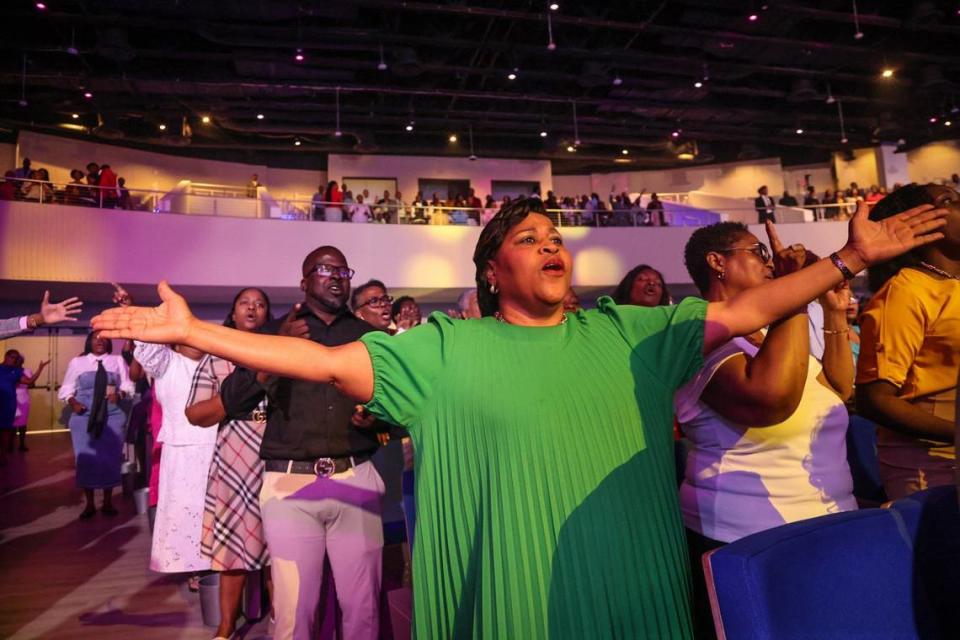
(61,577)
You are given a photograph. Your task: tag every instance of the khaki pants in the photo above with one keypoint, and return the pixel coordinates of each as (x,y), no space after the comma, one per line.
(305,518)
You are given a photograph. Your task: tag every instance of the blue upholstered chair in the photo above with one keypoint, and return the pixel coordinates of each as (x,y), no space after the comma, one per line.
(864,466)
(847,575)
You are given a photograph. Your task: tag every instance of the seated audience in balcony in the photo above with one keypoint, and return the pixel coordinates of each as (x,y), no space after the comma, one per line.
(419,208)
(38,188)
(316,204)
(643,286)
(385,210)
(910,338)
(123,194)
(77,191)
(252,186)
(853,191)
(459,215)
(551,203)
(655,212)
(873,194)
(787,199)
(474,202)
(810,201)
(830,198)
(489,210)
(766,422)
(10,186)
(766,209)
(359,211)
(108,187)
(332,199)
(24,172)
(569,211)
(347,198)
(436,213)
(93,174)
(405,313)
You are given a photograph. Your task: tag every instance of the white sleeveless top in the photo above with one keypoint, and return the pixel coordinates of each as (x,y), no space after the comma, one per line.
(741,479)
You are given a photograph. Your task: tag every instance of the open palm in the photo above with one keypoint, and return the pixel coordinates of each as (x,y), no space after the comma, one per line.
(168,323)
(878,241)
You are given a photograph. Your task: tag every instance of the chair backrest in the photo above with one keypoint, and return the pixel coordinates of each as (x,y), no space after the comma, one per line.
(864,465)
(933,519)
(845,575)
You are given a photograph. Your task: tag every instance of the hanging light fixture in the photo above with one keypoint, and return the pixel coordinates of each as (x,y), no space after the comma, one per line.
(830,98)
(843,129)
(472,155)
(551,45)
(72,49)
(336,132)
(576,128)
(857,34)
(382,65)
(23,84)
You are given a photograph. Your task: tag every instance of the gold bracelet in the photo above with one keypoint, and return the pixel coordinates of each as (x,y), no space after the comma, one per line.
(34,320)
(836,332)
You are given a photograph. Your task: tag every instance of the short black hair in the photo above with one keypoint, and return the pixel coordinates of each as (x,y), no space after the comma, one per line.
(366,285)
(906,197)
(229,322)
(88,344)
(398,305)
(621,295)
(304,267)
(491,238)
(714,237)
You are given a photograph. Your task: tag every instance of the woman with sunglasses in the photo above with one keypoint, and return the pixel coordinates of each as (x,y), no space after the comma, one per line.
(767,422)
(545,478)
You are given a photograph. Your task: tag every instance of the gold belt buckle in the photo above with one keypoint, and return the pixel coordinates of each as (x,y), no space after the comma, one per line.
(259,416)
(324,467)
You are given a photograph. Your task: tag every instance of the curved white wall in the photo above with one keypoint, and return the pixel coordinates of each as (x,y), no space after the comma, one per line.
(76,244)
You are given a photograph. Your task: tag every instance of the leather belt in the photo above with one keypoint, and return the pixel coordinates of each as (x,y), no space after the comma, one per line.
(322,467)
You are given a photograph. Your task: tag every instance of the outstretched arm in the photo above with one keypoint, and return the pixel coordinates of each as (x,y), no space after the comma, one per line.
(869,242)
(348,366)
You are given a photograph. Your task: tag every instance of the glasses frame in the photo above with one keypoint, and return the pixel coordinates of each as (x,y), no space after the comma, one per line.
(381,301)
(345,273)
(758,249)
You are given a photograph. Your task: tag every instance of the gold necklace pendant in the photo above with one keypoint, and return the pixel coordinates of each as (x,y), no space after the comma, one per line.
(500,318)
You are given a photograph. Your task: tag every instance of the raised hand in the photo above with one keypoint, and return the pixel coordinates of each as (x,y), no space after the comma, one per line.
(293,327)
(120,296)
(836,299)
(169,323)
(54,312)
(878,241)
(787,259)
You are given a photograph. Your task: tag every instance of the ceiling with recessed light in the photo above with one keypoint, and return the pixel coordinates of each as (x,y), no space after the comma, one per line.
(590,85)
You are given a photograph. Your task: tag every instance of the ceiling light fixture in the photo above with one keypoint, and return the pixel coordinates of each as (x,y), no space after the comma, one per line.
(830,98)
(205,119)
(617,80)
(453,137)
(933,119)
(887,73)
(260,116)
(409,126)
(571,148)
(298,56)
(799,131)
(382,65)
(41,6)
(554,6)
(947,123)
(163,127)
(472,155)
(72,49)
(675,134)
(87,95)
(857,34)
(75,116)
(698,84)
(23,83)
(296,142)
(752,18)
(625,152)
(513,74)
(543,134)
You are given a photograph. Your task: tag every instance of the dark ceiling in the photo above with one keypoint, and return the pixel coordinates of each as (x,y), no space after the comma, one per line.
(627,68)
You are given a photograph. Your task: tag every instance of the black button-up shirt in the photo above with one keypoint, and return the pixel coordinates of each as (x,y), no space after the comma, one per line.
(305,420)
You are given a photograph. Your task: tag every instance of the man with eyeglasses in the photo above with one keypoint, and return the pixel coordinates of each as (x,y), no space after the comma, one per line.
(321,494)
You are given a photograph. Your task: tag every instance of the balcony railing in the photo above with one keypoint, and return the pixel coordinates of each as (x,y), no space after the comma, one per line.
(189,198)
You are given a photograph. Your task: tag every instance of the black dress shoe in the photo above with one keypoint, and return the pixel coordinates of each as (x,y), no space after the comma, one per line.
(89,512)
